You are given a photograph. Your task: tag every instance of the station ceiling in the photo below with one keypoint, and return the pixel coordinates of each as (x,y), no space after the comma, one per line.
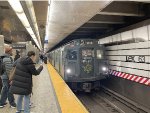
(10,25)
(112,17)
(117,15)
(12,28)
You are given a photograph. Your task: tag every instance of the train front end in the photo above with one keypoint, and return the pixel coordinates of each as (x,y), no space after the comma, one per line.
(85,66)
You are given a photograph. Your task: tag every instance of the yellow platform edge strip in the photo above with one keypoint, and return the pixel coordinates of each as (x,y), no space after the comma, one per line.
(68,102)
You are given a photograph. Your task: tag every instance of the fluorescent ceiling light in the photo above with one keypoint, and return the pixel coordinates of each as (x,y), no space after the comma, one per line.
(30,31)
(23,19)
(17,7)
(36,42)
(15,4)
(33,18)
(33,36)
(34,39)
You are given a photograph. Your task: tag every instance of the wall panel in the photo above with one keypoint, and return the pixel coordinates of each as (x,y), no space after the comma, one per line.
(130,46)
(139,66)
(131,59)
(141,33)
(131,71)
(129,52)
(116,37)
(126,35)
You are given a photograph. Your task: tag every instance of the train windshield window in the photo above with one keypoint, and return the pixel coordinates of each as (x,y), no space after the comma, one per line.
(72,55)
(99,54)
(87,53)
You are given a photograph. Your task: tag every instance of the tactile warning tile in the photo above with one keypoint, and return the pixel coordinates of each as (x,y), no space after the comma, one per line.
(68,102)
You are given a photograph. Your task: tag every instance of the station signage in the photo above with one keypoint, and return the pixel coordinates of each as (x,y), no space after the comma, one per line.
(19,46)
(139,59)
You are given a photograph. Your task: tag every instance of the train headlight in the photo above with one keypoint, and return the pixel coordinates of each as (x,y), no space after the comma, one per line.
(68,71)
(104,68)
(99,56)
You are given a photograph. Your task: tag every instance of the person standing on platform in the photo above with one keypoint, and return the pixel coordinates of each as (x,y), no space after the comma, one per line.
(17,55)
(7,63)
(41,57)
(22,81)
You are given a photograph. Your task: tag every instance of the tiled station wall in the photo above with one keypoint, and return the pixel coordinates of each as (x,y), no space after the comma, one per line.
(132,58)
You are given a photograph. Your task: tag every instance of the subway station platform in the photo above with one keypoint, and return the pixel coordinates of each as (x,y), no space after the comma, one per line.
(51,95)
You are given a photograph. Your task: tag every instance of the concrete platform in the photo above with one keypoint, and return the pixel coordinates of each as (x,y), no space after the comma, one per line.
(51,95)
(44,100)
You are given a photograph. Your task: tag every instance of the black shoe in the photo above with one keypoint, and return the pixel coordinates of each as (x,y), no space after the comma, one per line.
(13,105)
(3,105)
(19,111)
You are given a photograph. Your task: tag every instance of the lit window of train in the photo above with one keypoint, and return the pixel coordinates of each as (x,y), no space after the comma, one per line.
(99,54)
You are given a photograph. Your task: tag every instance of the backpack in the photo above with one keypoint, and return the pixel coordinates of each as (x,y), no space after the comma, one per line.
(2,66)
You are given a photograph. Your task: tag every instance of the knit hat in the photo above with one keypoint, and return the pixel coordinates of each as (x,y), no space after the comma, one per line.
(8,49)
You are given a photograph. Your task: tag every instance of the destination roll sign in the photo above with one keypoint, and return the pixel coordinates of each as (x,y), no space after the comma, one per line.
(19,46)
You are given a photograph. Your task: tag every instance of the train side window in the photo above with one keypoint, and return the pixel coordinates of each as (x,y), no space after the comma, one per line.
(72,55)
(99,54)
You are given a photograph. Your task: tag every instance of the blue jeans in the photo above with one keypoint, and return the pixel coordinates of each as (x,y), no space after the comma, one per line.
(26,103)
(5,93)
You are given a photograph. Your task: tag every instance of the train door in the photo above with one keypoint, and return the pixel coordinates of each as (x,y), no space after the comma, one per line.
(57,60)
(54,58)
(98,60)
(62,63)
(59,57)
(87,62)
(71,64)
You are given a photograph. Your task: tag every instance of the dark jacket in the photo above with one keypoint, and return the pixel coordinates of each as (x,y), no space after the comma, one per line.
(16,57)
(22,81)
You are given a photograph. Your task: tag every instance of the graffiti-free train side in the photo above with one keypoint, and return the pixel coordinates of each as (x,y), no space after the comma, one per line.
(81,63)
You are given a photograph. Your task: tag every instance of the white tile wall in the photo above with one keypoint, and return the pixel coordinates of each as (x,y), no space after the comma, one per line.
(129,52)
(119,52)
(131,71)
(116,37)
(126,35)
(130,46)
(141,33)
(130,64)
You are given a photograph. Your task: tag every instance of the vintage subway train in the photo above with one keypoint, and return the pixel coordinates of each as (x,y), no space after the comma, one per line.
(81,63)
